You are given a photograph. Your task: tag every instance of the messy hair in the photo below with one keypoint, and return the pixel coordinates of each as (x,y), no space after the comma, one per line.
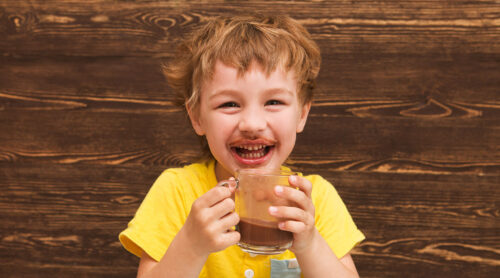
(270,41)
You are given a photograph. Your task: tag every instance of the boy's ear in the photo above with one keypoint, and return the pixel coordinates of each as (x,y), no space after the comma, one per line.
(195,120)
(303,116)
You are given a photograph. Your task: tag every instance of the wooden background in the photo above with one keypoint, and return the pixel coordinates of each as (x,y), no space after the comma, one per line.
(406,124)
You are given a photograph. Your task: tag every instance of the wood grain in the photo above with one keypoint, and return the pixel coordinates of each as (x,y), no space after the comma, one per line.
(405,124)
(153,28)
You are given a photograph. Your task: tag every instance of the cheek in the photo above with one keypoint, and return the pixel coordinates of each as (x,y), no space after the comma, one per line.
(218,130)
(291,140)
(286,124)
(286,131)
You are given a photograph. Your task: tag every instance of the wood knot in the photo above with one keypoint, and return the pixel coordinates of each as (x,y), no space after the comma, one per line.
(17,21)
(126,200)
(99,18)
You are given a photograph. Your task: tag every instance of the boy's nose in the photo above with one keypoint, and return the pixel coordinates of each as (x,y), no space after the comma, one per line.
(252,121)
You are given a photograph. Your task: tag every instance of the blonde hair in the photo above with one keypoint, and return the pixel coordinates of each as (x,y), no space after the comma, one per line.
(271,41)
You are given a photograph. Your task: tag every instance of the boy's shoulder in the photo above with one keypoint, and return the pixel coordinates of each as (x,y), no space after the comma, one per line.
(197,168)
(317,181)
(191,174)
(320,185)
(323,193)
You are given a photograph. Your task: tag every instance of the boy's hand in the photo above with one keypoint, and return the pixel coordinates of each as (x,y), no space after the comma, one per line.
(208,227)
(298,220)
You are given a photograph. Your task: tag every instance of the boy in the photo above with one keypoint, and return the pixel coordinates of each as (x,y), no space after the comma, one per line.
(246,83)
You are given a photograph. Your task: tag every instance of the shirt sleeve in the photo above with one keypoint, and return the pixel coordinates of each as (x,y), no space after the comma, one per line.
(158,219)
(333,220)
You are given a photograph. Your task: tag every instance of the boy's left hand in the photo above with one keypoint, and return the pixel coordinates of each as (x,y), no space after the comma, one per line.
(298,220)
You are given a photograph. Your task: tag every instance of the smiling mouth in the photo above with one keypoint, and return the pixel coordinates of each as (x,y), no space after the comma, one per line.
(252,151)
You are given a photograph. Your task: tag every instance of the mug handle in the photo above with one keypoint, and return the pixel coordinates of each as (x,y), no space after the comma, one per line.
(231,183)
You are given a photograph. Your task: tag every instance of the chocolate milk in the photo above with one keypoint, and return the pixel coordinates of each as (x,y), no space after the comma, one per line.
(262,233)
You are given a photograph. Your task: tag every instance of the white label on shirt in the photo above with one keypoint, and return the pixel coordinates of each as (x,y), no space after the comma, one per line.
(293,263)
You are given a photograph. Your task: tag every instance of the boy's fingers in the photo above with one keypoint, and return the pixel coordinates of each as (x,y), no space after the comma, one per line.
(231,184)
(231,237)
(213,196)
(297,196)
(291,213)
(296,227)
(229,221)
(302,183)
(222,208)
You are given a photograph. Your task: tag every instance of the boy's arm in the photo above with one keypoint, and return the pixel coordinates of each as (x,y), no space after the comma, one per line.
(206,230)
(177,262)
(313,253)
(319,261)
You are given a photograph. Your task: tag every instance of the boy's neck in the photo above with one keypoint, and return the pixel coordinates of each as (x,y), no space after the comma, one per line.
(221,173)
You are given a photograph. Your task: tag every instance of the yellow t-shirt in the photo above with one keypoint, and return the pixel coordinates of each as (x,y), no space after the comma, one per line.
(167,204)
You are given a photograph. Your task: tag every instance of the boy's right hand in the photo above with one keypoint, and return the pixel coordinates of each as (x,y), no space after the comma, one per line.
(209,224)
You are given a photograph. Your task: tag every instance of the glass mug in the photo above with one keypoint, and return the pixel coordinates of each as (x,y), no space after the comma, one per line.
(254,194)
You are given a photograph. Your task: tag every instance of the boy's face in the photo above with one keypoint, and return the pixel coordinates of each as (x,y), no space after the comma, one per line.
(250,121)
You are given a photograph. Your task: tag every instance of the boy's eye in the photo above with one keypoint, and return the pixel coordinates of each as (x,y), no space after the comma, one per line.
(273,102)
(229,104)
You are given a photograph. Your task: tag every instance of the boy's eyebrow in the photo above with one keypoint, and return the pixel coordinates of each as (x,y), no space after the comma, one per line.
(268,91)
(279,90)
(222,92)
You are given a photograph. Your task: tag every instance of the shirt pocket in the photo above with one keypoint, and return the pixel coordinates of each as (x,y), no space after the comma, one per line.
(285,268)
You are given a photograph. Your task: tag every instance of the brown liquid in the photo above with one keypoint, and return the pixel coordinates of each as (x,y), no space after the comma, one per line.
(262,233)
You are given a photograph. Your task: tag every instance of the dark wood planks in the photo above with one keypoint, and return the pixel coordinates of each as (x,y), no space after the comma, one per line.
(448,127)
(343,142)
(151,28)
(423,225)
(405,124)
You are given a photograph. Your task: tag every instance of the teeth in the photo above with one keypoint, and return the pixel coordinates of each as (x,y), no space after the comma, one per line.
(252,147)
(254,151)
(253,155)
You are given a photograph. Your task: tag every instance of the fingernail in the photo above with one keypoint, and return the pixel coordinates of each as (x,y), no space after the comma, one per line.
(293,178)
(278,189)
(281,225)
(273,210)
